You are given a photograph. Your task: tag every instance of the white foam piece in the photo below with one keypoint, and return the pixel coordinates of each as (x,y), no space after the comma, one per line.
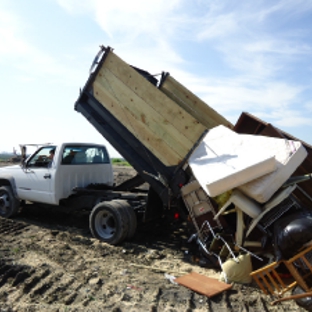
(288,154)
(225,160)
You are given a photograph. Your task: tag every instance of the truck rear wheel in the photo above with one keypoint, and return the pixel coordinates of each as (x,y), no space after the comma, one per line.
(132,219)
(108,222)
(9,205)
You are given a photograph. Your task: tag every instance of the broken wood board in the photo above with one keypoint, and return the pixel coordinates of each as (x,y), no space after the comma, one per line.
(202,284)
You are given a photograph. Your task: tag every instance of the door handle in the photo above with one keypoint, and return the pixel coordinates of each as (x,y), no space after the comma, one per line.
(47,176)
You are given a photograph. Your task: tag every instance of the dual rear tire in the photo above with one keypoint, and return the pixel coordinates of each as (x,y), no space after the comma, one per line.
(113,221)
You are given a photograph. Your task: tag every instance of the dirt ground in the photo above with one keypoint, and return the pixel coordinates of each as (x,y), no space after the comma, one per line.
(50,262)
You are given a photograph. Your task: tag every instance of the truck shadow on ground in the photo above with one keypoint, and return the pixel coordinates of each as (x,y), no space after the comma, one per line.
(160,234)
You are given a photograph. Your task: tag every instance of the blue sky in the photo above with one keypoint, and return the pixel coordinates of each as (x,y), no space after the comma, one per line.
(252,56)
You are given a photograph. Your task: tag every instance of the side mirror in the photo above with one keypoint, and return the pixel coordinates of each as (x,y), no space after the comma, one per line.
(23,155)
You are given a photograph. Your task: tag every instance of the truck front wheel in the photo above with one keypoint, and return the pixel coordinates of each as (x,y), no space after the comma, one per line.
(108,223)
(9,205)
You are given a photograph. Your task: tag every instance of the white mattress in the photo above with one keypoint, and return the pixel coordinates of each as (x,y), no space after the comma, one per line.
(224,160)
(288,154)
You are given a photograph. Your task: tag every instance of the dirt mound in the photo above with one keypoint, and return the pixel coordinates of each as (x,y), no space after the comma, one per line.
(50,262)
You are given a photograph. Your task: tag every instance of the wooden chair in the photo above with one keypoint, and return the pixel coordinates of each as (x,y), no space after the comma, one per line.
(269,280)
(299,267)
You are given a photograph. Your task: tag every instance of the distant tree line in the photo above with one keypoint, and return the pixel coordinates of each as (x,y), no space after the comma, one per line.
(6,156)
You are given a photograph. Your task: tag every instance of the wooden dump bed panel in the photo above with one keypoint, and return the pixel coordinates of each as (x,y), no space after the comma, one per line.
(192,104)
(164,127)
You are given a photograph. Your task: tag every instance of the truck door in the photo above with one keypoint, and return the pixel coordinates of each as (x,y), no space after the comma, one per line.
(35,180)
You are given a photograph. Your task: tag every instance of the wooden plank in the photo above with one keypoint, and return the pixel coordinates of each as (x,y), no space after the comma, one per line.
(155,144)
(193,104)
(142,113)
(139,86)
(202,284)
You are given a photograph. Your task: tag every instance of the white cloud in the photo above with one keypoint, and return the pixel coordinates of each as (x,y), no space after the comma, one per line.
(233,95)
(130,18)
(140,31)
(277,46)
(216,27)
(285,118)
(134,17)
(257,39)
(30,61)
(11,35)
(288,9)
(308,105)
(75,7)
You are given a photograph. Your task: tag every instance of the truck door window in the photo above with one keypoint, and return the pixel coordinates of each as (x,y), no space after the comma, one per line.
(42,158)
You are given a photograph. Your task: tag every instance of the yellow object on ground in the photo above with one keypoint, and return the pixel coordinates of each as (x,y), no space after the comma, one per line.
(237,272)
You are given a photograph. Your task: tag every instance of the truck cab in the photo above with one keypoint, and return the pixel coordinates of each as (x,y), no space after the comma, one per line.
(43,179)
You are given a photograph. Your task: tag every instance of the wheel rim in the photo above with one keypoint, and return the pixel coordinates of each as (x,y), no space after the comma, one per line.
(4,203)
(105,224)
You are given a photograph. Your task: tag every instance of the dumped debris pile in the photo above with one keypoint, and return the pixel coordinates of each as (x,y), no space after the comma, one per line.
(247,217)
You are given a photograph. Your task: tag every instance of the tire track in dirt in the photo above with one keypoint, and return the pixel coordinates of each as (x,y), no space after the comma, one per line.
(8,226)
(50,269)
(40,275)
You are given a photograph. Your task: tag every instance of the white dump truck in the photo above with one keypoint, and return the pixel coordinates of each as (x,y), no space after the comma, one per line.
(71,176)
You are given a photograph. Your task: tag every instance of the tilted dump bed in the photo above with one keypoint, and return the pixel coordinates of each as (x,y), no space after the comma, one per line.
(154,126)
